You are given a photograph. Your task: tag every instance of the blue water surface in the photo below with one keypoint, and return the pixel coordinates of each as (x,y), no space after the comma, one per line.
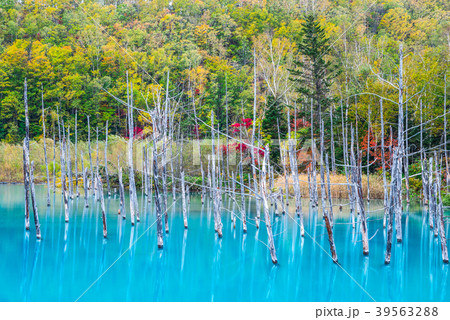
(73,262)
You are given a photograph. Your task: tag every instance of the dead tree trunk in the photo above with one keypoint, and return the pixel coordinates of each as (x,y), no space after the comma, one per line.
(159,223)
(441,223)
(333,156)
(215,195)
(242,206)
(368,156)
(45,152)
(91,185)
(85,182)
(133,196)
(76,155)
(323,195)
(26,148)
(106,160)
(69,164)
(297,191)
(121,192)
(26,186)
(33,201)
(356,177)
(313,161)
(63,181)
(54,161)
(383,165)
(447,174)
(102,203)
(183,197)
(266,206)
(330,201)
(91,167)
(347,175)
(97,167)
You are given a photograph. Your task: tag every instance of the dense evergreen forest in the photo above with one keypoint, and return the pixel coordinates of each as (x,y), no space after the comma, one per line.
(211,52)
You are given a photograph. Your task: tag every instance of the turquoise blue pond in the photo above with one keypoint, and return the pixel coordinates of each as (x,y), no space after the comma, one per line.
(73,262)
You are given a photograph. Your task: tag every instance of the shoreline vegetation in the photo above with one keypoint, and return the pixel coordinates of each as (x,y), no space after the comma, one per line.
(12,171)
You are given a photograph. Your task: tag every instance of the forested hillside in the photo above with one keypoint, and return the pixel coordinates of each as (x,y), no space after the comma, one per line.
(75,51)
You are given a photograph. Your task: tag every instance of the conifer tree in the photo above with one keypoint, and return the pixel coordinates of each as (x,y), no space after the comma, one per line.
(314,71)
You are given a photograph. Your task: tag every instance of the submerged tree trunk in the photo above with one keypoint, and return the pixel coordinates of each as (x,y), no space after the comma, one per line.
(392,200)
(69,164)
(266,206)
(215,189)
(85,182)
(121,194)
(63,182)
(45,152)
(33,202)
(102,203)
(323,195)
(106,160)
(26,159)
(90,156)
(297,191)
(383,165)
(133,195)
(54,162)
(76,155)
(183,197)
(159,224)
(26,186)
(356,177)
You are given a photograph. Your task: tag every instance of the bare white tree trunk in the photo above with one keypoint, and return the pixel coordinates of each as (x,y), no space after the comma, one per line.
(85,182)
(121,192)
(33,201)
(102,203)
(333,155)
(215,189)
(26,159)
(383,165)
(69,164)
(266,206)
(159,213)
(183,197)
(45,151)
(90,156)
(77,192)
(106,160)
